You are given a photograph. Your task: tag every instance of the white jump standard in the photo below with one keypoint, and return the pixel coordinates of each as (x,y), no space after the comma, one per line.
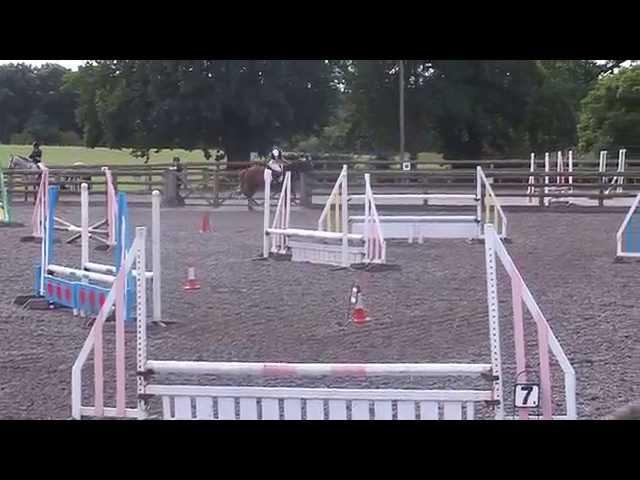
(85,289)
(563,184)
(336,247)
(618,180)
(418,227)
(194,400)
(103,231)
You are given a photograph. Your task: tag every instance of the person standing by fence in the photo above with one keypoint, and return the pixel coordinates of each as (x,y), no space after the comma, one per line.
(179,168)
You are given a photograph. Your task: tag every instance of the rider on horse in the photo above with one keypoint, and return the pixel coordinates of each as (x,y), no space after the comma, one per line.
(277,164)
(36,154)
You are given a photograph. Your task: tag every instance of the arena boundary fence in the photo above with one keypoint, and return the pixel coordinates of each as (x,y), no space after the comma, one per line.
(208,183)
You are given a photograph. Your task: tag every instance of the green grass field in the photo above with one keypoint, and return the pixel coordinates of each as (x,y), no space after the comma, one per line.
(60,156)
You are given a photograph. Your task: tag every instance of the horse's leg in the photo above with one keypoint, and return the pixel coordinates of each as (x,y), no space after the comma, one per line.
(251,202)
(294,198)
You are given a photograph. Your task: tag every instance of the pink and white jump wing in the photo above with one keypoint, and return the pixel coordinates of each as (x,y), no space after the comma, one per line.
(546,338)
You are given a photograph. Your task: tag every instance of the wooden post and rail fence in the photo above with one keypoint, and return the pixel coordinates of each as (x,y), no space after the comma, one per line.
(215,183)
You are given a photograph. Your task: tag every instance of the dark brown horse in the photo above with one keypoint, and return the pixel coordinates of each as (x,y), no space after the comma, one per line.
(252,179)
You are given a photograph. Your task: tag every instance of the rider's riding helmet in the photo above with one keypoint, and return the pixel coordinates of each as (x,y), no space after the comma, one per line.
(36,145)
(276,154)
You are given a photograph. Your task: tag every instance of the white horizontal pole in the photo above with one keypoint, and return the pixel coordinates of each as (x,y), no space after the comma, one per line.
(320,393)
(629,254)
(99,267)
(417,218)
(319,369)
(109,412)
(82,274)
(89,275)
(297,232)
(64,222)
(73,228)
(109,269)
(540,417)
(147,275)
(417,196)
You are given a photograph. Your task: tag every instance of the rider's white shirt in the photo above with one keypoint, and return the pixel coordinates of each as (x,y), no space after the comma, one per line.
(274,165)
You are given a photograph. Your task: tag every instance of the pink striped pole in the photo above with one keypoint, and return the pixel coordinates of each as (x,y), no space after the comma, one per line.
(545,370)
(518,334)
(98,368)
(98,354)
(543,346)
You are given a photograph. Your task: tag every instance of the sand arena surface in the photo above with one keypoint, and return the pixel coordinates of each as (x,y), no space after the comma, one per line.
(432,310)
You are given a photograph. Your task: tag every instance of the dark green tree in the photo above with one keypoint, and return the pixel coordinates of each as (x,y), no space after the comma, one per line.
(18,98)
(611,112)
(238,105)
(33,102)
(554,112)
(465,109)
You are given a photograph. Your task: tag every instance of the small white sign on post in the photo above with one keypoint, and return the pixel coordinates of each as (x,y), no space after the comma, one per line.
(254,156)
(527,395)
(406,166)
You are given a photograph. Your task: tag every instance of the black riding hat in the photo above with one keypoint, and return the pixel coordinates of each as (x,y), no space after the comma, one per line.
(276,153)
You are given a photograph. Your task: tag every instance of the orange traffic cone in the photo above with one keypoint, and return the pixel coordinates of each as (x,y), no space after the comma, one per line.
(192,283)
(205,226)
(359,315)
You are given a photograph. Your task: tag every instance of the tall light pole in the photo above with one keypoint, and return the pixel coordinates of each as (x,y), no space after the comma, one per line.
(402,110)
